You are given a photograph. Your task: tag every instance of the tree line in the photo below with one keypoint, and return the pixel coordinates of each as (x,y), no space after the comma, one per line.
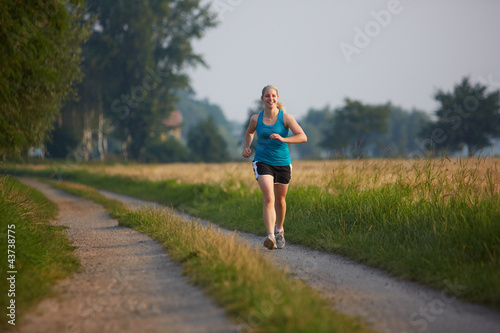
(97,79)
(124,60)
(466,121)
(362,130)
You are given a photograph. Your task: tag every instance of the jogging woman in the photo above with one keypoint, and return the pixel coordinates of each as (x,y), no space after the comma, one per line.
(272,164)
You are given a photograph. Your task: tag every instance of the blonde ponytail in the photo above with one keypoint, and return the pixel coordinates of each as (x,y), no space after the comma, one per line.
(279,104)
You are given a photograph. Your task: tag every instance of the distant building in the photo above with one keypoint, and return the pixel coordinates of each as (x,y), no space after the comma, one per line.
(173,124)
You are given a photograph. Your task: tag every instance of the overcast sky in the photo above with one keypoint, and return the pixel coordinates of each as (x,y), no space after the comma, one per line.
(318,52)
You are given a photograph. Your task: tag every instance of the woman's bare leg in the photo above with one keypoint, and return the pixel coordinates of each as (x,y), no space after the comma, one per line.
(266,183)
(280,204)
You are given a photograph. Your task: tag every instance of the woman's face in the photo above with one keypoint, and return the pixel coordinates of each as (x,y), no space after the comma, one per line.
(270,97)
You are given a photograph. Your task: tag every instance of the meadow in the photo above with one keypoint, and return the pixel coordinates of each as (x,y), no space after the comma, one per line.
(481,175)
(431,220)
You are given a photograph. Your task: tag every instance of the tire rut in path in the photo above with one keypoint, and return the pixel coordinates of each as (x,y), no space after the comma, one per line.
(127,282)
(386,304)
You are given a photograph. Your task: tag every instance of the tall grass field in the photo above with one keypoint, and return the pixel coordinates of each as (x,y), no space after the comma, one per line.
(431,220)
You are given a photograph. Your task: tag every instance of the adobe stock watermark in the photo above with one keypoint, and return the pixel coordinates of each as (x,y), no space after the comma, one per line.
(121,107)
(455,117)
(433,309)
(263,310)
(76,156)
(364,36)
(221,7)
(151,81)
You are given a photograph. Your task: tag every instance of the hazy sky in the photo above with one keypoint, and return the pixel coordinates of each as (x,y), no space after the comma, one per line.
(424,45)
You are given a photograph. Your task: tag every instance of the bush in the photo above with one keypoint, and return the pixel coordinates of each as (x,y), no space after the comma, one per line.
(169,151)
(206,144)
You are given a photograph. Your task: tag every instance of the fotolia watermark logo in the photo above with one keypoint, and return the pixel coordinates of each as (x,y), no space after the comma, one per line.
(363,37)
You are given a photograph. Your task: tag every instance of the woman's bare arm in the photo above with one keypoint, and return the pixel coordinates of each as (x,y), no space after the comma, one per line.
(298,133)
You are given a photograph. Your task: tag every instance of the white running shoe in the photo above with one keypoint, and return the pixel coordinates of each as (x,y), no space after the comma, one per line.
(270,242)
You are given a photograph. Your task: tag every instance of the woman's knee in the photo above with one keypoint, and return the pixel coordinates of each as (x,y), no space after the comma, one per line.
(269,201)
(280,202)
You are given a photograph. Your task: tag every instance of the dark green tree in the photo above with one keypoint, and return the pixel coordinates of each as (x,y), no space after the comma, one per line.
(417,120)
(402,131)
(195,110)
(168,151)
(206,144)
(136,60)
(314,124)
(62,142)
(354,125)
(40,46)
(255,109)
(468,116)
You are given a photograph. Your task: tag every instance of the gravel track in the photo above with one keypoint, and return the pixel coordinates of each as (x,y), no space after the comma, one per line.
(385,304)
(127,282)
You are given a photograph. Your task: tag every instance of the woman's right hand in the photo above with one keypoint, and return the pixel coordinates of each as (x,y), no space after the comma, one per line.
(246,152)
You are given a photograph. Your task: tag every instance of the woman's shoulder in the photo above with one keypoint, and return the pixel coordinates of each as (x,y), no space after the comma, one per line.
(287,118)
(254,118)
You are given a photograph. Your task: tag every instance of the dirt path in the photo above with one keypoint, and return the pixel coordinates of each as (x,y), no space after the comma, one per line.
(127,282)
(386,304)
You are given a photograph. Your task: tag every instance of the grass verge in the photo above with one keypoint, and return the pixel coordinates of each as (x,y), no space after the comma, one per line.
(260,297)
(416,231)
(39,253)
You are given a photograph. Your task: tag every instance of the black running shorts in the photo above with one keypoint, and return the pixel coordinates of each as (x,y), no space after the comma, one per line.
(281,174)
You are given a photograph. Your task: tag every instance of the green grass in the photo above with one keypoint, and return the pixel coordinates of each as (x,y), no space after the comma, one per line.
(257,295)
(413,231)
(42,252)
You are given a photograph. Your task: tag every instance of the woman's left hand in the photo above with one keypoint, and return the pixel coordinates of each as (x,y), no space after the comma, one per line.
(276,136)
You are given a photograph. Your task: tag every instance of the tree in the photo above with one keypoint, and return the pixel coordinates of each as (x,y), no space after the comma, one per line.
(354,126)
(168,151)
(468,116)
(136,59)
(62,141)
(39,63)
(206,144)
(417,120)
(402,133)
(255,109)
(195,110)
(314,124)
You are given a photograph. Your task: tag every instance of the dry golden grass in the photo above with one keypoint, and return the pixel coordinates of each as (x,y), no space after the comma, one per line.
(477,175)
(480,174)
(23,200)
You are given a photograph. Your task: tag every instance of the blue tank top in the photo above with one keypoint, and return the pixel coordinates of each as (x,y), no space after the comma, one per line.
(272,152)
